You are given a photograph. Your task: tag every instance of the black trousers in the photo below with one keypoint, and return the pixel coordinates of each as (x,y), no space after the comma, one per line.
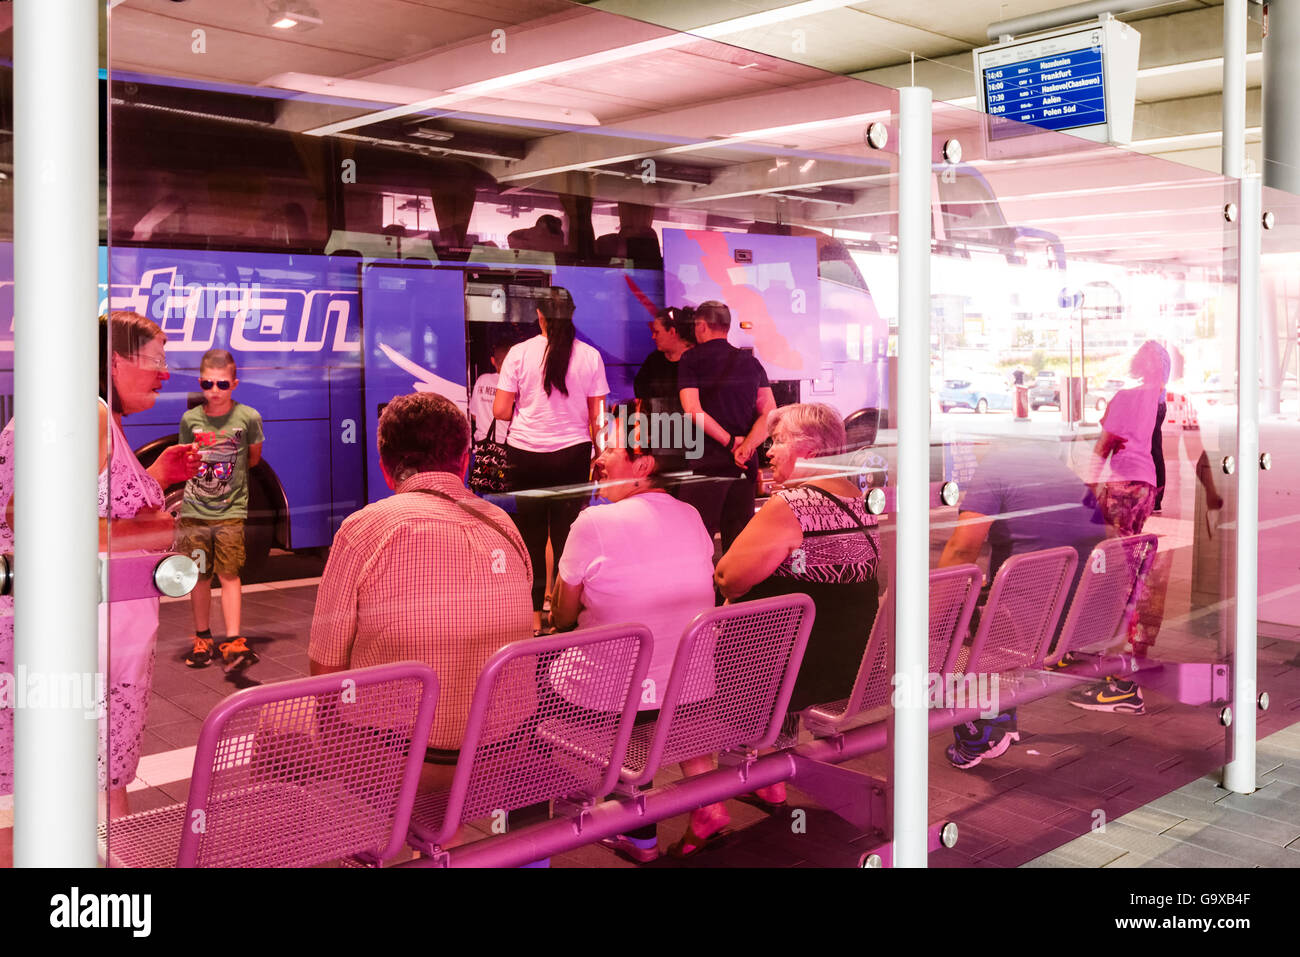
(539,517)
(725,503)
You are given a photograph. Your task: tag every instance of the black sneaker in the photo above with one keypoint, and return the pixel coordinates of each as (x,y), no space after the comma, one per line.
(237,656)
(1113,694)
(986,738)
(1067,659)
(201,656)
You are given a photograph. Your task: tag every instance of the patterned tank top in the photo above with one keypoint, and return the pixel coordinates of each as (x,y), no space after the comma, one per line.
(125,488)
(840,541)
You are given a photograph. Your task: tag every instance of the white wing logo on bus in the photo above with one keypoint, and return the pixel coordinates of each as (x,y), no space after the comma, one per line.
(427,381)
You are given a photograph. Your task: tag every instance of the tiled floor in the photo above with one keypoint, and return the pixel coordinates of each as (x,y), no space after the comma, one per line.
(1202,825)
(1145,778)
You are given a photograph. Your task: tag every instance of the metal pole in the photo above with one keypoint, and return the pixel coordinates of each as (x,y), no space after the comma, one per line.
(56,456)
(1282,97)
(1064,16)
(1239,772)
(912,579)
(1234,87)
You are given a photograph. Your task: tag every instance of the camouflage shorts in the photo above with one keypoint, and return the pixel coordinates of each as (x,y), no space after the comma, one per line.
(1126,506)
(215,546)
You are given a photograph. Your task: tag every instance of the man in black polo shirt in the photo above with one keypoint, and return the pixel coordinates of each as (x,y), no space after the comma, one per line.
(727,392)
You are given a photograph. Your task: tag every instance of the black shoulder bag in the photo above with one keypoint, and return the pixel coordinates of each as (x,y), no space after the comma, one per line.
(490,472)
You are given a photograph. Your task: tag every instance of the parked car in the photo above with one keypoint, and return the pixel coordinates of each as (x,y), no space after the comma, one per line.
(981,392)
(1046,390)
(1100,395)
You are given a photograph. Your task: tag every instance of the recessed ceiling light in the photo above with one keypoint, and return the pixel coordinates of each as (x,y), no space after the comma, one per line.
(292,14)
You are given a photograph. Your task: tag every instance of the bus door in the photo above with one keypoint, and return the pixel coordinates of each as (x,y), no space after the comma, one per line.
(500,309)
(413,341)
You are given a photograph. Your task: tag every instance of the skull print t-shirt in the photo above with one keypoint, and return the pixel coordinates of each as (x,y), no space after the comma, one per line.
(220,489)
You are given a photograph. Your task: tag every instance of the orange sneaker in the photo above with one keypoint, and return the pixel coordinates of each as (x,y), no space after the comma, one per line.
(201,656)
(237,656)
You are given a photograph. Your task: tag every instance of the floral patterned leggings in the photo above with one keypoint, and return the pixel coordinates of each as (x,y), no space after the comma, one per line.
(1126,506)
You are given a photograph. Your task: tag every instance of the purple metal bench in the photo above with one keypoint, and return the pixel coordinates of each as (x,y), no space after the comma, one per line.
(550,720)
(730,685)
(1103,608)
(296,774)
(953,593)
(1019,620)
(1103,603)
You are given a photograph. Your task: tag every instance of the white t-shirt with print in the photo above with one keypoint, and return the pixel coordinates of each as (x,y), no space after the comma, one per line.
(647,559)
(545,423)
(481,398)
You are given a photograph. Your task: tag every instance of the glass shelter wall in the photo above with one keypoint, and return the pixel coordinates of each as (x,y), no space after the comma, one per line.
(1279,415)
(1083,352)
(354,236)
(354,228)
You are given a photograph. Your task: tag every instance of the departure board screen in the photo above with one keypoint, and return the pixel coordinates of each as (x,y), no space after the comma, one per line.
(1061,91)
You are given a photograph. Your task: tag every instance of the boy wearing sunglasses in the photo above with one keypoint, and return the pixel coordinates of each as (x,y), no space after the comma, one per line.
(211,527)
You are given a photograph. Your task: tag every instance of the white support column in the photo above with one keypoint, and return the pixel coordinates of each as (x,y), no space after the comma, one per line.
(1282,97)
(912,562)
(1234,87)
(1239,772)
(56,457)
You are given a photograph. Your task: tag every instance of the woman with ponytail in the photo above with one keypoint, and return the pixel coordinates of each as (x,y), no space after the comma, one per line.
(552,391)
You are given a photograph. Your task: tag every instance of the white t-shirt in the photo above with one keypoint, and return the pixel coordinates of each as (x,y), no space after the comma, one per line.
(648,560)
(481,398)
(1131,415)
(545,423)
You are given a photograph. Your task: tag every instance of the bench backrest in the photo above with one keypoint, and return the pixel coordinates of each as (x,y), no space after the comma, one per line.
(953,593)
(730,684)
(1104,601)
(550,719)
(307,771)
(1024,606)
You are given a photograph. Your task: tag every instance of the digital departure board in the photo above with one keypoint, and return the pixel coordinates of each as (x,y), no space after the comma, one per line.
(1056,92)
(1081,80)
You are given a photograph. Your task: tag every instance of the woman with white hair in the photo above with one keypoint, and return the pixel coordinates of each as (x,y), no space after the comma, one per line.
(1124,470)
(814,536)
(1126,477)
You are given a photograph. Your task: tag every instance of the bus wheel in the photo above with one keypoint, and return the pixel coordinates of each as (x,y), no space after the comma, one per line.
(982,406)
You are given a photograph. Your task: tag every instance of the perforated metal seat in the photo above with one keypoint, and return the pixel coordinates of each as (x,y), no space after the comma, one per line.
(730,685)
(953,593)
(1104,602)
(1019,620)
(550,719)
(296,774)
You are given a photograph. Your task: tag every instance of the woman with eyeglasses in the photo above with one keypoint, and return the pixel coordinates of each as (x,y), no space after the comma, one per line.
(655,385)
(133,368)
(814,536)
